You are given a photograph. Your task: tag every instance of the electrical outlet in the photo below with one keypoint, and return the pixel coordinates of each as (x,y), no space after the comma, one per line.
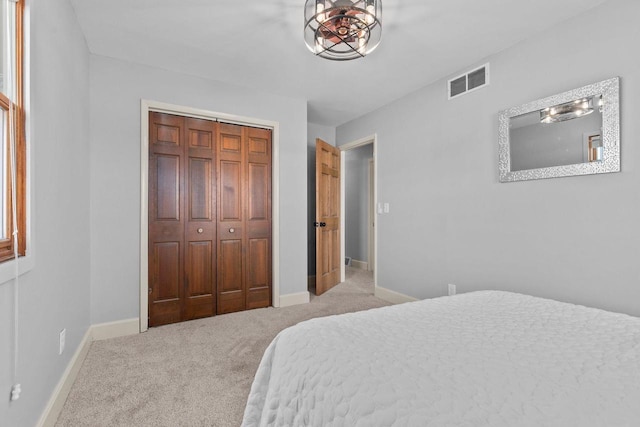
(15,392)
(63,335)
(386,208)
(452,289)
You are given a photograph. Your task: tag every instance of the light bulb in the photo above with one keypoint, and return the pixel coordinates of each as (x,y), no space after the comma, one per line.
(362,45)
(371,11)
(319,11)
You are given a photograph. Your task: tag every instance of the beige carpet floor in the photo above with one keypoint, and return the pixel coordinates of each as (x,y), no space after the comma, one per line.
(195,373)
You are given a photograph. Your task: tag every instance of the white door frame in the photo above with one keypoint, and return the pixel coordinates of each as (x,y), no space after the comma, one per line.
(372,139)
(145,107)
(371,214)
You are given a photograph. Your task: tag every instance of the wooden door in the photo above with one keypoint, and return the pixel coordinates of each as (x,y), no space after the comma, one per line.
(327,216)
(258,215)
(200,219)
(231,261)
(166,218)
(209,218)
(244,227)
(182,232)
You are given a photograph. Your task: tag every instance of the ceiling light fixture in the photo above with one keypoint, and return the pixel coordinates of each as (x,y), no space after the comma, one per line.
(567,111)
(342,29)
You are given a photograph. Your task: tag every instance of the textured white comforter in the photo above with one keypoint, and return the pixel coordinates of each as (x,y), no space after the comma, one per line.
(485,358)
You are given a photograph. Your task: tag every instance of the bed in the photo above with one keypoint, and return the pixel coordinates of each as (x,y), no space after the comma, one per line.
(486,358)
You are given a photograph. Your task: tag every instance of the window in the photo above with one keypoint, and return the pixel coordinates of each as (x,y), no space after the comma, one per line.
(12,132)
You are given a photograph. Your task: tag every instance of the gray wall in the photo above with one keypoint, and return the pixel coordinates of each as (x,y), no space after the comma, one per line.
(116,90)
(55,293)
(575,239)
(357,202)
(328,135)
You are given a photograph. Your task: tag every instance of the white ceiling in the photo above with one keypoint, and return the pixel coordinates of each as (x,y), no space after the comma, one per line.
(260,44)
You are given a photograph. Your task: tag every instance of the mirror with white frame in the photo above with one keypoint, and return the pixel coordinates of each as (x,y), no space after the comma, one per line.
(572,133)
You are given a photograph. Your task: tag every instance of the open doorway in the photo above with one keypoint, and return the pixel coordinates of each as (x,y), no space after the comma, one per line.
(358,194)
(356,179)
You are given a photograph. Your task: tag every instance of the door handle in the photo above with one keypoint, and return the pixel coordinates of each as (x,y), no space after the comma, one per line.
(323,224)
(319,224)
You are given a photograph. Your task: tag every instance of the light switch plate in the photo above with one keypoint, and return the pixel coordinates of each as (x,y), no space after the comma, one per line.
(63,335)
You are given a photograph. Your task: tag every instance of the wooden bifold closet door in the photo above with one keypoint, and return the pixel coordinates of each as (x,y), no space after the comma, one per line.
(209,218)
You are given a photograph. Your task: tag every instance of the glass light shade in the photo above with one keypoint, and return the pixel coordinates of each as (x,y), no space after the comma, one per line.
(342,29)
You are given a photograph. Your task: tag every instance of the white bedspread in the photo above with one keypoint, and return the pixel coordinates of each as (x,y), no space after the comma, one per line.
(485,358)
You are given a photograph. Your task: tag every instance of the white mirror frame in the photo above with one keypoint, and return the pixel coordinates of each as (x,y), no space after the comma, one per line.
(610,91)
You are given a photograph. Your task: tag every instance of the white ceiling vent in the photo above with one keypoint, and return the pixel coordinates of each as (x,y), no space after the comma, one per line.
(468,82)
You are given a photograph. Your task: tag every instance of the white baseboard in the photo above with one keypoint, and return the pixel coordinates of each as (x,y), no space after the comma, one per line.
(392,296)
(60,393)
(120,328)
(294,299)
(95,332)
(360,265)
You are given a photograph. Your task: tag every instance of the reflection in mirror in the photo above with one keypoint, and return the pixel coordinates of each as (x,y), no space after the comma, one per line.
(555,136)
(573,133)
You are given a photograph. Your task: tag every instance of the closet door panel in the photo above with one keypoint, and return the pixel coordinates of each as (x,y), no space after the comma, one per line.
(230,191)
(200,134)
(200,189)
(167,263)
(167,130)
(199,268)
(167,190)
(231,253)
(166,218)
(258,217)
(165,300)
(230,139)
(230,277)
(259,273)
(199,272)
(258,200)
(200,227)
